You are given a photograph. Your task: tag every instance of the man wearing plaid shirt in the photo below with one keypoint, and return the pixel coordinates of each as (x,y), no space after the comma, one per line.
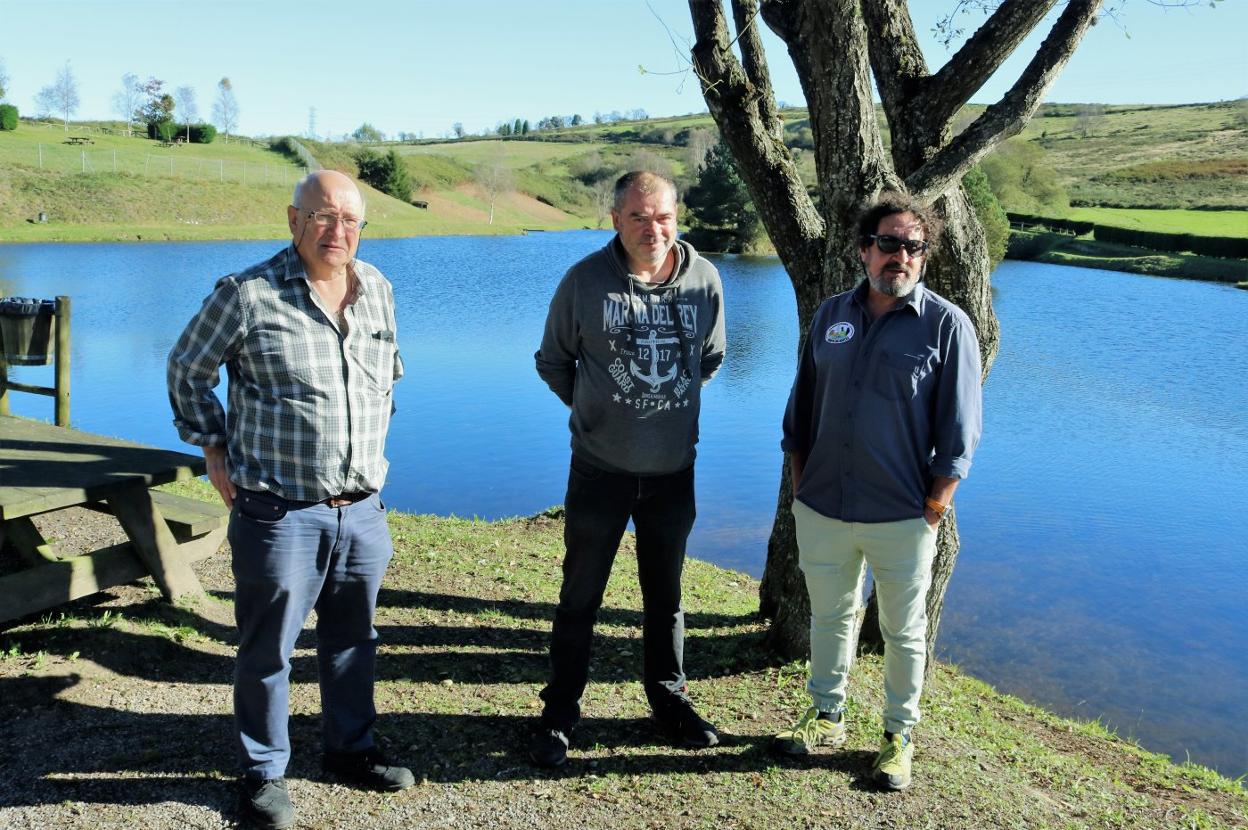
(308,341)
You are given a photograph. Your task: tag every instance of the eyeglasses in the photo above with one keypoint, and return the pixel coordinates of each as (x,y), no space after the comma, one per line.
(325,219)
(892,244)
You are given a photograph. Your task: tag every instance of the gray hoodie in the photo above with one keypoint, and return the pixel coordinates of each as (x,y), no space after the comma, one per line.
(630,359)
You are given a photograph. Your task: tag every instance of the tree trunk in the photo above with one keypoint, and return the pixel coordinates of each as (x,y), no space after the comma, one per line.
(835,45)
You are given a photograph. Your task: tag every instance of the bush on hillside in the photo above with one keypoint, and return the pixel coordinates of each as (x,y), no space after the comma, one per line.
(989,212)
(162,130)
(8,117)
(1023,180)
(202,133)
(386,173)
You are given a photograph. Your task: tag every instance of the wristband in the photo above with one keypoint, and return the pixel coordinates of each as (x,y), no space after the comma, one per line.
(936,507)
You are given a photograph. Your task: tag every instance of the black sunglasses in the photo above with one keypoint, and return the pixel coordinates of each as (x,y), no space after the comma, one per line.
(892,244)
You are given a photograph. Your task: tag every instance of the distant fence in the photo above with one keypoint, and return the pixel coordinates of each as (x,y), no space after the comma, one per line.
(174,162)
(1226,247)
(302,152)
(139,132)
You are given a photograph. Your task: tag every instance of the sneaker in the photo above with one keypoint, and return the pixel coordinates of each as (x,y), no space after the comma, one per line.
(367,769)
(549,748)
(265,803)
(891,769)
(815,728)
(685,727)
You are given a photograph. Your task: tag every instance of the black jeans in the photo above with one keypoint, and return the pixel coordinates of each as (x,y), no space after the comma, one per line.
(598,506)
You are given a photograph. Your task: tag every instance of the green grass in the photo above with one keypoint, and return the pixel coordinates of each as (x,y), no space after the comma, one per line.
(1199,222)
(513,154)
(465,616)
(1062,249)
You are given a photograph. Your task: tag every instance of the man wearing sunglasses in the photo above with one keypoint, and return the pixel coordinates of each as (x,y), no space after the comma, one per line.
(881,424)
(308,341)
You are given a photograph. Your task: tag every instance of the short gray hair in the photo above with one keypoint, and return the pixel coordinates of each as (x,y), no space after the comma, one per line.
(645,181)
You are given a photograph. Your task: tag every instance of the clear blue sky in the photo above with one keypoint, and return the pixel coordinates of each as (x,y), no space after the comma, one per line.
(420,66)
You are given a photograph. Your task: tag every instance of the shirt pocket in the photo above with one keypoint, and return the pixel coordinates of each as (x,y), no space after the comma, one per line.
(900,375)
(374,353)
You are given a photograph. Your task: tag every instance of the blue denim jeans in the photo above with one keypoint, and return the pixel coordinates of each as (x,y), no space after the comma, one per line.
(597,508)
(288,558)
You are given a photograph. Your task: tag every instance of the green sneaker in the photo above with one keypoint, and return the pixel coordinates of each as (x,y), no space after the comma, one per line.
(810,731)
(891,769)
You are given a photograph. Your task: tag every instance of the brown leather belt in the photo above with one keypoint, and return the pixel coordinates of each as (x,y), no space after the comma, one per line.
(344,499)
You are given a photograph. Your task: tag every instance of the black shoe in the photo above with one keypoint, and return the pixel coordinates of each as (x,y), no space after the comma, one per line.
(367,769)
(684,726)
(549,748)
(264,803)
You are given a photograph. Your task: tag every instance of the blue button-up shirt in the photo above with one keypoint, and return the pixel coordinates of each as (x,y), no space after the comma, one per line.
(880,407)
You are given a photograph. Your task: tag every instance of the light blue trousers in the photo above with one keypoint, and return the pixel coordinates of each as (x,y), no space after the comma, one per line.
(832,555)
(289,558)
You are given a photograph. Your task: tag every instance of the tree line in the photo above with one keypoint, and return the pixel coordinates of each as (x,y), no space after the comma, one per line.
(167,114)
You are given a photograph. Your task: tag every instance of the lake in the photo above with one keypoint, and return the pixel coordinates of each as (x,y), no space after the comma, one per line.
(1102,571)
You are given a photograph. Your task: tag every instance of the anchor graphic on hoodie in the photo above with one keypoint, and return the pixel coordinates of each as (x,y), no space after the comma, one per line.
(654,378)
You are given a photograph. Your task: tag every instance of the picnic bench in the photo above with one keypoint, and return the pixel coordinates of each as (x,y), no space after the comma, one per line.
(45,469)
(79,139)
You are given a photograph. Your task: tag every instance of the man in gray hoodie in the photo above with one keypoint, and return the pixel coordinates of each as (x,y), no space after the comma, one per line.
(633,333)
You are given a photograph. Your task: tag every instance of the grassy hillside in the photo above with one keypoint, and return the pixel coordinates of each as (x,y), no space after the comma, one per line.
(133,188)
(1112,165)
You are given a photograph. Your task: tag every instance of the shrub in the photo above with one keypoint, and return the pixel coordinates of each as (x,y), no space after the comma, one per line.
(162,130)
(203,133)
(8,117)
(989,212)
(386,173)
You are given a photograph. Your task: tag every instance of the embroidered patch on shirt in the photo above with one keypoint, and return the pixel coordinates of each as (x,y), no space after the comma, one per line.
(839,333)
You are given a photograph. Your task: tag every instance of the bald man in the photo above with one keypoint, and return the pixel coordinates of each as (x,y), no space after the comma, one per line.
(308,341)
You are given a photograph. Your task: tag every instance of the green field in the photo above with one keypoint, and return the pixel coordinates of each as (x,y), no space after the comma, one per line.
(1199,222)
(513,154)
(133,188)
(48,147)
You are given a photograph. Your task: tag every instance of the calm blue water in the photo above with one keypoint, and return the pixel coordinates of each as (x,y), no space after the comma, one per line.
(1102,569)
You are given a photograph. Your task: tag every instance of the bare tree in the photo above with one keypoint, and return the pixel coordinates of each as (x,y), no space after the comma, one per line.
(698,144)
(604,199)
(127,99)
(1089,119)
(225,108)
(184,99)
(61,96)
(458,129)
(841,50)
(494,178)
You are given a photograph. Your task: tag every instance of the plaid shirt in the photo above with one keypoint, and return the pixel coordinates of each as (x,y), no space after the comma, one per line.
(308,407)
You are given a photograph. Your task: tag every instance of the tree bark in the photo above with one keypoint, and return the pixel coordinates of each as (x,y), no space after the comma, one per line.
(838,48)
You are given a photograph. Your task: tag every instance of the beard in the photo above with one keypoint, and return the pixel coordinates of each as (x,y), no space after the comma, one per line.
(895,283)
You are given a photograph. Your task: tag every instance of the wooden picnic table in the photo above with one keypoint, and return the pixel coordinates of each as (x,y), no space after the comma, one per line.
(79,139)
(46,468)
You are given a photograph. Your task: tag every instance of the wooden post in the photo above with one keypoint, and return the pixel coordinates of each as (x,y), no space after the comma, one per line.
(61,360)
(40,156)
(4,384)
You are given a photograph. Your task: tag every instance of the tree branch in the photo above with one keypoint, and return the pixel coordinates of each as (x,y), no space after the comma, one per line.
(1006,117)
(738,107)
(745,16)
(897,60)
(971,66)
